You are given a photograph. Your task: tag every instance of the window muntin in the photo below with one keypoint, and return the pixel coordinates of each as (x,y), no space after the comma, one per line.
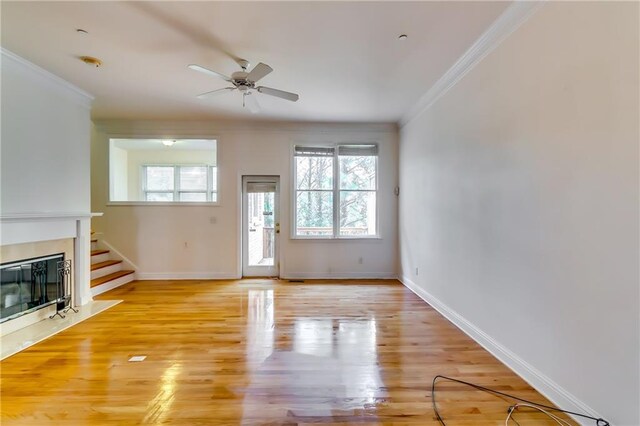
(347,173)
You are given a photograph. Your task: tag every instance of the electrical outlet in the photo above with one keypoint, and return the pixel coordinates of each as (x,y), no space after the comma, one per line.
(213,220)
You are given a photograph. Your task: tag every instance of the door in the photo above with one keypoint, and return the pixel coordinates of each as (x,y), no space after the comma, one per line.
(260,226)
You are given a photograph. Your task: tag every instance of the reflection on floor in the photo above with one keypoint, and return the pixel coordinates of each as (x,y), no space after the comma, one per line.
(258,352)
(338,356)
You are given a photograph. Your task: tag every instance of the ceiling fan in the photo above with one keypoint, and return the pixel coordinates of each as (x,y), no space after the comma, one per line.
(245,82)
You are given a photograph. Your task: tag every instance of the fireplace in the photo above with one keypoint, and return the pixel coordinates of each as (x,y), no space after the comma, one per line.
(27,238)
(31,284)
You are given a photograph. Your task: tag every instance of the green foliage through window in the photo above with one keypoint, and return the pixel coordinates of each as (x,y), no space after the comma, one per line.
(316,171)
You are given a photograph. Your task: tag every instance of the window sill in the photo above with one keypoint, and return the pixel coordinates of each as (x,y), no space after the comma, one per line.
(163,203)
(332,239)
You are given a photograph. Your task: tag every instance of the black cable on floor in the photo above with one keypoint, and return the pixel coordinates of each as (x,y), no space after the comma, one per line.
(599,422)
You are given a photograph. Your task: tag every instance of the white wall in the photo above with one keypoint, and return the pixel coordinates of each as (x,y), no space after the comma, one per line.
(45,141)
(519,204)
(153,237)
(119,175)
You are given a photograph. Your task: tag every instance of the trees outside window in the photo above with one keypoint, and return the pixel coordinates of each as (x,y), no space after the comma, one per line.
(335,191)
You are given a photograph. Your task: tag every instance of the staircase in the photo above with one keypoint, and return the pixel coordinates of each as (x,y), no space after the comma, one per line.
(106,272)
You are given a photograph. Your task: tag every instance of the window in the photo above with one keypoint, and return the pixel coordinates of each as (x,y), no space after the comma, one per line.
(179,183)
(335,191)
(146,171)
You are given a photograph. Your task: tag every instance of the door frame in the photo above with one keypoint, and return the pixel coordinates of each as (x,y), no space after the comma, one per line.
(243,222)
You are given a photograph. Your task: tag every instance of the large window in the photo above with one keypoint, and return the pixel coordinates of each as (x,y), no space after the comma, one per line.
(163,171)
(335,191)
(179,183)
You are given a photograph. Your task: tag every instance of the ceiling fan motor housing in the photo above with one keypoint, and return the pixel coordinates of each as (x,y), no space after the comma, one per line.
(240,81)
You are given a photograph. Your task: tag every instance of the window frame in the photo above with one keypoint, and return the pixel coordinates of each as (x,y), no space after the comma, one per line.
(336,191)
(209,191)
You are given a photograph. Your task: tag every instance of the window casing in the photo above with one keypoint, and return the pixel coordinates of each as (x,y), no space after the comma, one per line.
(181,183)
(335,191)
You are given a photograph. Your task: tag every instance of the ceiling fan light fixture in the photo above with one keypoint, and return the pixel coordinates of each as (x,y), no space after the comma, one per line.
(168,142)
(90,60)
(245,83)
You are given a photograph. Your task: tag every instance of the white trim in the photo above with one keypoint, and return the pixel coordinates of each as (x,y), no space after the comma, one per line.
(146,276)
(336,191)
(514,16)
(340,275)
(126,262)
(185,128)
(543,384)
(260,270)
(110,285)
(20,217)
(52,80)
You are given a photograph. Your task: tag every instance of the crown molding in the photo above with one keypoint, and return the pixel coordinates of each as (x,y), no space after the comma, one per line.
(49,79)
(514,16)
(220,127)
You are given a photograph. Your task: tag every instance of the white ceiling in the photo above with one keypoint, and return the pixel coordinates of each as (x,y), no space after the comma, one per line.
(156,144)
(343,58)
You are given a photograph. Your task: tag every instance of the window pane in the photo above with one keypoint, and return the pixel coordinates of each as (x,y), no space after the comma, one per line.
(314,172)
(357,213)
(159,178)
(357,172)
(214,197)
(214,174)
(193,178)
(193,196)
(159,196)
(314,213)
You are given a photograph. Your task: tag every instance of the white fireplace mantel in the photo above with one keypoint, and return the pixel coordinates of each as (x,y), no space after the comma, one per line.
(24,228)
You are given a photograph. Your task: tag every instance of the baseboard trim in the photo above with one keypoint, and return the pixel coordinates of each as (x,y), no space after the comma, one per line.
(340,276)
(543,384)
(148,276)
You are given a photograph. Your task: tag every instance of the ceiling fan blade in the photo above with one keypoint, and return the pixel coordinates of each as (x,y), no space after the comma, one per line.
(258,72)
(278,93)
(251,102)
(215,92)
(209,72)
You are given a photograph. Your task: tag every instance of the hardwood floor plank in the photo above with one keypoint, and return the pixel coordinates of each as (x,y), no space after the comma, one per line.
(259,352)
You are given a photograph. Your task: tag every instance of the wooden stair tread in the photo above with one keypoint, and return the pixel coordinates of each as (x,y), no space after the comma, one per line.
(97,252)
(104,264)
(97,281)
(95,240)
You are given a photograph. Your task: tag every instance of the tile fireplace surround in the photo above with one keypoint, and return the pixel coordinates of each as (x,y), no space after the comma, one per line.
(24,236)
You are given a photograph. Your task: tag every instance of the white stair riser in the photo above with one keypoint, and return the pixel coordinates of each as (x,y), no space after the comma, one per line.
(94,245)
(106,270)
(99,258)
(110,285)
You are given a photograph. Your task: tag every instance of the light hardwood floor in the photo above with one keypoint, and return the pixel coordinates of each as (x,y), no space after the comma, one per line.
(258,352)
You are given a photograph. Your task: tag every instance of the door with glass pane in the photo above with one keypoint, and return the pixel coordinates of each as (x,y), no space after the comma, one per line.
(260,226)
